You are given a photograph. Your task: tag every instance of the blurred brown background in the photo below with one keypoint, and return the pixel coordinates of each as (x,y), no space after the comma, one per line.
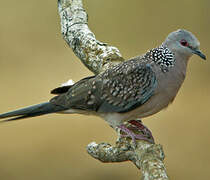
(34,59)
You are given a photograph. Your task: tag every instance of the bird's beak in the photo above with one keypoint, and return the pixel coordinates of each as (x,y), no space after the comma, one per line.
(199,53)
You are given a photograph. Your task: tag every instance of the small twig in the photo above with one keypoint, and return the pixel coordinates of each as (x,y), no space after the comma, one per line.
(97,57)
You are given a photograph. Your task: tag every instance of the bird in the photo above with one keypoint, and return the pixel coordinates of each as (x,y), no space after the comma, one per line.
(136,88)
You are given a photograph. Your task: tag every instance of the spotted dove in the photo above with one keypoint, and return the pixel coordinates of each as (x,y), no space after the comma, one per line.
(136,88)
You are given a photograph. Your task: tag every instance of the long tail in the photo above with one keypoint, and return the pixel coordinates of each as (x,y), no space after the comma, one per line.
(31,111)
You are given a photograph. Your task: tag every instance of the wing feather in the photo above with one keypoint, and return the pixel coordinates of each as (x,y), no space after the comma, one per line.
(119,89)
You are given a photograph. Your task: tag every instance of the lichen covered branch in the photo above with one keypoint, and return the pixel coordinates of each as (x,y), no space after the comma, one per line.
(97,57)
(146,156)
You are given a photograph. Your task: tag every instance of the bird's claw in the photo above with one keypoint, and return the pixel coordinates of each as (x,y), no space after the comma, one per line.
(136,130)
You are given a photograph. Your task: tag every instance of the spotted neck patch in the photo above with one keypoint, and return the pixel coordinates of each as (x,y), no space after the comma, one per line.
(162,56)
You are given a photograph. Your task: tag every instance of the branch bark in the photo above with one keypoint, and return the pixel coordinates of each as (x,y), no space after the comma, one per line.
(97,57)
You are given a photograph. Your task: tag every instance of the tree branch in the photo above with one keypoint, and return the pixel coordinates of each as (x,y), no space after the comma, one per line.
(97,57)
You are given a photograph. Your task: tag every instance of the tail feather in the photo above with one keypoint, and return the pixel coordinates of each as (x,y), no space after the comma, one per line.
(31,111)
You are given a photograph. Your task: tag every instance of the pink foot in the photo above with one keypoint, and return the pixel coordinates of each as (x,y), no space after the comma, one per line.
(142,132)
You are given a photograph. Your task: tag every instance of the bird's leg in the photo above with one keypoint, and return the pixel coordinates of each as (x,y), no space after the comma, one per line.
(141,127)
(136,130)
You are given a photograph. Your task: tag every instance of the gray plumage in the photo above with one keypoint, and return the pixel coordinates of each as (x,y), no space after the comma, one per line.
(32,111)
(137,88)
(119,89)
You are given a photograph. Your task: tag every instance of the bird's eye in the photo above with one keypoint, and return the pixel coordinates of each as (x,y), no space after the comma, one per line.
(183,42)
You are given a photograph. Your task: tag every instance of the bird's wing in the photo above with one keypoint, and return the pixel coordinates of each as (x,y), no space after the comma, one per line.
(78,96)
(65,88)
(119,89)
(127,86)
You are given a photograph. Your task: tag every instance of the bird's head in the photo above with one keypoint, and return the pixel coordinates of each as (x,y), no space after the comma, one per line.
(183,43)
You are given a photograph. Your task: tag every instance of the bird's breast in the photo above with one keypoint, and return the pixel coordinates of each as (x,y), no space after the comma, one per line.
(168,85)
